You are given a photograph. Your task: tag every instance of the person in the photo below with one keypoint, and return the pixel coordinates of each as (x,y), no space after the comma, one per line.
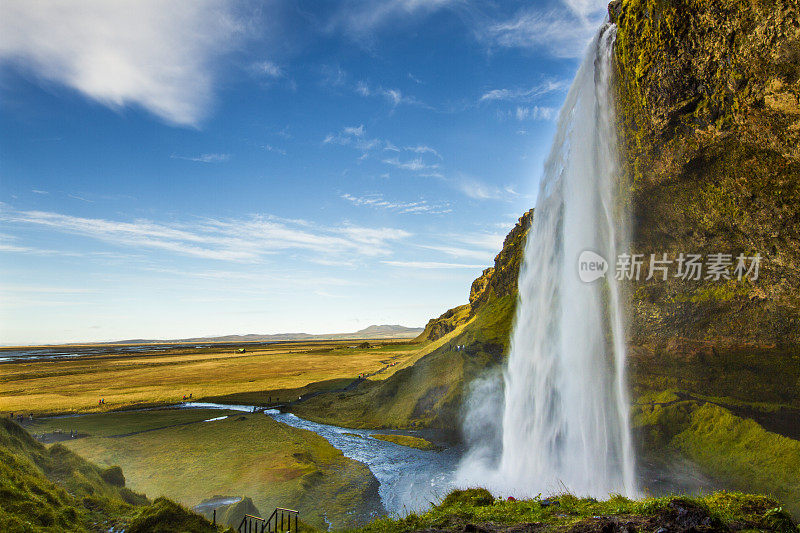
(190,395)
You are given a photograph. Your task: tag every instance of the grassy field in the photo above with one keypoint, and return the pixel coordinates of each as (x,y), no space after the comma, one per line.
(277,370)
(175,453)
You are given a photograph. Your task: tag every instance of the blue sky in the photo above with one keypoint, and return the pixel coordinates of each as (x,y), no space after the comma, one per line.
(173,169)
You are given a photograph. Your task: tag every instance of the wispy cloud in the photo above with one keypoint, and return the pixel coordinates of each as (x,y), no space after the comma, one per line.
(204,158)
(456,251)
(356,137)
(526,94)
(270,148)
(422,149)
(535,113)
(81,198)
(491,242)
(377,201)
(247,239)
(157,54)
(429,264)
(479,190)
(414,165)
(38,191)
(267,68)
(359,19)
(561,32)
(395,97)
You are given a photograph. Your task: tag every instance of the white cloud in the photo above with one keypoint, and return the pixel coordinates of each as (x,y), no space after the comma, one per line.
(394,96)
(204,158)
(377,201)
(422,149)
(429,264)
(354,136)
(157,54)
(491,242)
(560,32)
(360,18)
(526,95)
(455,251)
(270,148)
(267,68)
(479,190)
(414,165)
(247,239)
(535,113)
(37,191)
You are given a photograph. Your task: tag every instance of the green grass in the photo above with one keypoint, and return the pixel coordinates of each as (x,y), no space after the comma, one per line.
(563,512)
(407,440)
(53,489)
(246,454)
(735,450)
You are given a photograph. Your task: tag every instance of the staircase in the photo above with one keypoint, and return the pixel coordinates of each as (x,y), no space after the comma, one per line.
(280,521)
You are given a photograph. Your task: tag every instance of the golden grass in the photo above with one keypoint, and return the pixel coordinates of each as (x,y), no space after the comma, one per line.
(75,385)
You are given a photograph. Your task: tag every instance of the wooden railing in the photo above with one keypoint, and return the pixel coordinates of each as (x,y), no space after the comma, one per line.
(280,521)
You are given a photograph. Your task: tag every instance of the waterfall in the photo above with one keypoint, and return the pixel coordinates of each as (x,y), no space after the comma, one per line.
(560,408)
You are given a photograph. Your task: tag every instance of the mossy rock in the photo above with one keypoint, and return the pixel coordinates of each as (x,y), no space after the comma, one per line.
(476,497)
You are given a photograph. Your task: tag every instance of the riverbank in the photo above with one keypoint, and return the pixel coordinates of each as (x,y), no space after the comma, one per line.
(270,456)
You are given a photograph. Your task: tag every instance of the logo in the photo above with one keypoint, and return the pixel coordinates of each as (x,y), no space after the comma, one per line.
(591,266)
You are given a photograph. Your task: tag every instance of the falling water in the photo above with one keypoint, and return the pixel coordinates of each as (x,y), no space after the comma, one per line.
(562,398)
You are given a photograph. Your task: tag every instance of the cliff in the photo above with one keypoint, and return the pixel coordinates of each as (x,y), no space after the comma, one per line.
(708,98)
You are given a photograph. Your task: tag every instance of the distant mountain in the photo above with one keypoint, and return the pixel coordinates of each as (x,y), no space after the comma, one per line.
(385,331)
(388,330)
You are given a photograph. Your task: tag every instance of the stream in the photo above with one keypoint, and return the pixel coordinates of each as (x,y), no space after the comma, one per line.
(410,479)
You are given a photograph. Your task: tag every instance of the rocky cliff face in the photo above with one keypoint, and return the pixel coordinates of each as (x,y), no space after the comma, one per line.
(709,105)
(709,108)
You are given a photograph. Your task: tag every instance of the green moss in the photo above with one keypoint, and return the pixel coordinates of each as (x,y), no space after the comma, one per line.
(742,452)
(737,451)
(407,440)
(470,497)
(563,512)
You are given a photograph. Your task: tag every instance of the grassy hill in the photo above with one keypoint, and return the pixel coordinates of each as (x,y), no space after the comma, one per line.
(53,489)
